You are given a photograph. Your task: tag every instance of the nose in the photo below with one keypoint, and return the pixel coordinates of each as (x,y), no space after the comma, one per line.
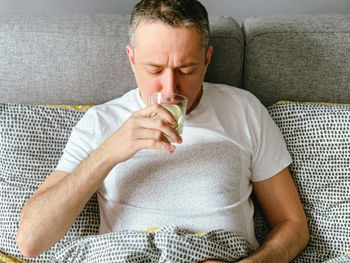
(169,83)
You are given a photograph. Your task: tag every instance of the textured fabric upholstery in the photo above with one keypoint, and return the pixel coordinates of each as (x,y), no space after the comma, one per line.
(318,138)
(31,142)
(299,58)
(81,59)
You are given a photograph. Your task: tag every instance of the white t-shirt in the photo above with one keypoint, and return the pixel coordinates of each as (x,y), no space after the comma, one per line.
(229,141)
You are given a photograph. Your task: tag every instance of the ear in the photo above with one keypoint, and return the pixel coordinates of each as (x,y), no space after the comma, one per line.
(130,52)
(208,56)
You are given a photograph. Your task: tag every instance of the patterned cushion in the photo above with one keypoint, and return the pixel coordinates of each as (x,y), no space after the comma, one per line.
(318,138)
(31,143)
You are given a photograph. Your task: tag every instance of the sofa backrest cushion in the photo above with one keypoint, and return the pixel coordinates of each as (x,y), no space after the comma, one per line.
(298,58)
(81,59)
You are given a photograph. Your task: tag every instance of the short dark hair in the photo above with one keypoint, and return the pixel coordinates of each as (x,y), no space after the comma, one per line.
(176,13)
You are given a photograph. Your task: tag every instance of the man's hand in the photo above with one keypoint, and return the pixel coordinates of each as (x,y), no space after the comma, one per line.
(142,131)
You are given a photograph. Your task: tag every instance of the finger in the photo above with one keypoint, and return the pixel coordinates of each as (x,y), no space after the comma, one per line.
(158,145)
(149,134)
(157,110)
(160,125)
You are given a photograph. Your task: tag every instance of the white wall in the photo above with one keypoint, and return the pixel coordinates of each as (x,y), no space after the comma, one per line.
(239,9)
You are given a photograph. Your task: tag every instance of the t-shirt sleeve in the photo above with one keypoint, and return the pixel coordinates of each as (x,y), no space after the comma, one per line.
(80,143)
(270,154)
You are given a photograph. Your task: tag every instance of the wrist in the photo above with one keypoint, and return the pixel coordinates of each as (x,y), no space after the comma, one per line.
(104,157)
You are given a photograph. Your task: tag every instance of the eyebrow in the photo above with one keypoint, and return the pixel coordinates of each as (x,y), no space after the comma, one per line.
(186,65)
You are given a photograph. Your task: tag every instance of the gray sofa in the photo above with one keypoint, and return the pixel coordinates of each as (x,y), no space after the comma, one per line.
(81,60)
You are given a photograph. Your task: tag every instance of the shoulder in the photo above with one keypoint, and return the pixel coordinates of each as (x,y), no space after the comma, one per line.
(125,104)
(232,97)
(129,100)
(112,112)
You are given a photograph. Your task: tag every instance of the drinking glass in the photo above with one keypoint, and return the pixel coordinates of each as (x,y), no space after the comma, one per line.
(176,104)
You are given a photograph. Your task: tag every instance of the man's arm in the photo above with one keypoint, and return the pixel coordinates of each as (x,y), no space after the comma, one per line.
(51,211)
(281,205)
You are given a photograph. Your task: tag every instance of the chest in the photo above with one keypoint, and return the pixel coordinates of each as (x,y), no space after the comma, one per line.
(209,173)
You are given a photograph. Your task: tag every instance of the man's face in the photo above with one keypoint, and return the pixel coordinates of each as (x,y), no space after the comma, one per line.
(168,60)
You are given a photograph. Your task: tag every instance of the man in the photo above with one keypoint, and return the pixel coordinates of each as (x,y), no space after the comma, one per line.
(229,146)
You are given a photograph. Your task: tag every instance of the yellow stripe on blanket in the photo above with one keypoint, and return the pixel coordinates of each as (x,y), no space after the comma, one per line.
(10,259)
(156,229)
(151,230)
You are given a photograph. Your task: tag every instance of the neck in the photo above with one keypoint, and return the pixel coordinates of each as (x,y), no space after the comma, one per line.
(196,102)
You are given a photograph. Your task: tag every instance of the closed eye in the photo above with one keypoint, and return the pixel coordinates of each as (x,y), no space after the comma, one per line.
(186,71)
(153,70)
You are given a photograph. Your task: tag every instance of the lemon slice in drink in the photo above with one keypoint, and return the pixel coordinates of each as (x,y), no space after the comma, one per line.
(176,111)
